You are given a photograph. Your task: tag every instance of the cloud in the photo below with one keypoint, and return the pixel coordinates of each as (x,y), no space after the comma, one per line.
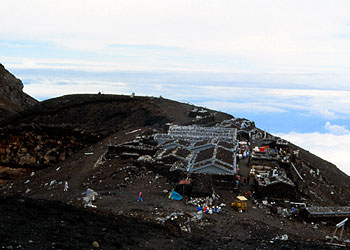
(336,129)
(269,37)
(82,65)
(248,107)
(330,147)
(328,103)
(217,90)
(42,89)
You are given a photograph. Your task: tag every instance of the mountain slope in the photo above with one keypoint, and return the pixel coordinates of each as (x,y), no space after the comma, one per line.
(105,143)
(55,129)
(12,98)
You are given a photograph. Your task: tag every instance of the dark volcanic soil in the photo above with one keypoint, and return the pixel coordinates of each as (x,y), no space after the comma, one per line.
(106,114)
(41,224)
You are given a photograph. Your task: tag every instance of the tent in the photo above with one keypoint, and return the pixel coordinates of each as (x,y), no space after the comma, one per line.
(175,196)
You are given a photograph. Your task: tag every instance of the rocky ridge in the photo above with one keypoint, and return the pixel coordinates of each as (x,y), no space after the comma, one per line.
(12,97)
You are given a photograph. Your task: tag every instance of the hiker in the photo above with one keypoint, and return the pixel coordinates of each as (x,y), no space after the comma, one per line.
(293,211)
(249,195)
(312,172)
(205,209)
(140,197)
(65,186)
(245,180)
(253,195)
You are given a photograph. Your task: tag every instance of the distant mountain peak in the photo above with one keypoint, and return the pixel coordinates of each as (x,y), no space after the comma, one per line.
(12,97)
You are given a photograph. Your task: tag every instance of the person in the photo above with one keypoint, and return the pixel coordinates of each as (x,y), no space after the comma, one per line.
(293,211)
(140,197)
(253,195)
(249,195)
(65,186)
(205,209)
(245,179)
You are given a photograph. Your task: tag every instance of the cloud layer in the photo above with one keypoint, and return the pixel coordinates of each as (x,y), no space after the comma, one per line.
(336,129)
(207,89)
(333,146)
(285,37)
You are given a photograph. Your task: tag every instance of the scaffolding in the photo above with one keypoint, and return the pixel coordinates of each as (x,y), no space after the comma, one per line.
(196,133)
(199,139)
(329,211)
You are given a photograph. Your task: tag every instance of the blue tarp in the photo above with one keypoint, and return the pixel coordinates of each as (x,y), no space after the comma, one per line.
(175,196)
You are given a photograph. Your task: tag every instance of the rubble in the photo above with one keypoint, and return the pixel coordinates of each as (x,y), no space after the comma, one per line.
(53,182)
(95,244)
(145,159)
(281,237)
(90,196)
(39,146)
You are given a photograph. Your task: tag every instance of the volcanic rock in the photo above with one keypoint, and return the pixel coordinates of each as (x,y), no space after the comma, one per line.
(12,97)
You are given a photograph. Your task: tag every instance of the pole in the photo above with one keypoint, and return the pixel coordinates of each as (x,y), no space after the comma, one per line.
(335,231)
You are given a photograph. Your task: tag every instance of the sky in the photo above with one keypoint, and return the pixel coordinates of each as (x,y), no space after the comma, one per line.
(283,64)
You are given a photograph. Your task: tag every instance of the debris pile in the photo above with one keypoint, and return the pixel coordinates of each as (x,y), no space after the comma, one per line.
(141,145)
(90,196)
(201,116)
(39,146)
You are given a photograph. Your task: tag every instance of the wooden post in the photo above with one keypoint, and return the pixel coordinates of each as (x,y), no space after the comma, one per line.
(335,231)
(341,232)
(339,225)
